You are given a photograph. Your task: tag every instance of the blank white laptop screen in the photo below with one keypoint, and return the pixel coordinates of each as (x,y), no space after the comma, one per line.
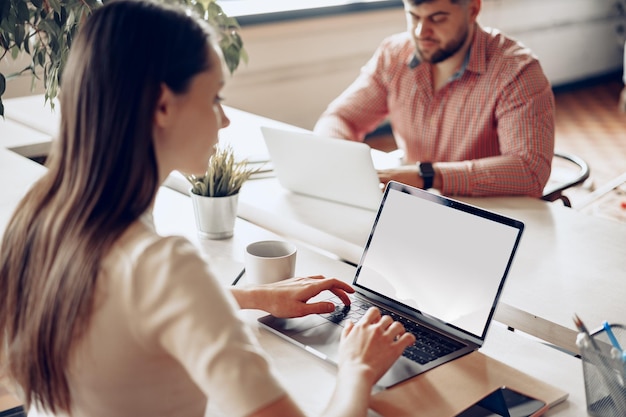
(441,261)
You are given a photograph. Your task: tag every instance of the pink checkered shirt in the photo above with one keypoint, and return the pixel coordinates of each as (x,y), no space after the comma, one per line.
(490,129)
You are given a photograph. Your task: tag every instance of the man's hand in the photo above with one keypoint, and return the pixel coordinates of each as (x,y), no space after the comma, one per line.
(406,174)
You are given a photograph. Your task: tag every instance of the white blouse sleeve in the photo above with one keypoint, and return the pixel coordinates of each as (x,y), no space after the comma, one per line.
(182,309)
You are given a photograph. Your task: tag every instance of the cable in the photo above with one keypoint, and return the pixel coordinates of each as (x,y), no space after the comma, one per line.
(243,271)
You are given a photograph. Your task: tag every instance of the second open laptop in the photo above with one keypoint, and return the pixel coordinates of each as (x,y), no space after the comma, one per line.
(332,169)
(436,264)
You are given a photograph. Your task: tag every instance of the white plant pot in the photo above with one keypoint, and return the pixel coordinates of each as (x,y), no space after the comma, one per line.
(215,216)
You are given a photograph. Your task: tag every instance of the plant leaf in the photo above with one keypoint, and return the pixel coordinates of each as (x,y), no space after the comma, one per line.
(19,35)
(22,12)
(46,29)
(4,41)
(56,5)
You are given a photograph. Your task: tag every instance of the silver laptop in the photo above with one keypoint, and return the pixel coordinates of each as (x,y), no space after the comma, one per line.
(332,169)
(436,264)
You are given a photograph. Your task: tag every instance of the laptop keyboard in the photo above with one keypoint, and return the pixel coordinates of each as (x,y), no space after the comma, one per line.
(428,345)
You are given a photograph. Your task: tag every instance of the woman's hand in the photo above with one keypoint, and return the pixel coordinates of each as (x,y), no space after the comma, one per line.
(366,351)
(371,346)
(290,297)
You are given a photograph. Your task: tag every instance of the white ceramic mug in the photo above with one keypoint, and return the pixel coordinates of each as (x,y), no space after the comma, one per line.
(269,261)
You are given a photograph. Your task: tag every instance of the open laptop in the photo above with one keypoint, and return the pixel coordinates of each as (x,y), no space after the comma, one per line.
(332,169)
(436,264)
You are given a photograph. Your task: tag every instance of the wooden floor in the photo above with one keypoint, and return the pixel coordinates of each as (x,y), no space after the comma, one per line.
(590,125)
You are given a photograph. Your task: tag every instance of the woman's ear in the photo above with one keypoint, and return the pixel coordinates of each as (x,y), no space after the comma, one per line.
(165,107)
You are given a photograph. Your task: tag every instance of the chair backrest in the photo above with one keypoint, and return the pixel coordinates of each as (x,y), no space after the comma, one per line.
(567,171)
(10,405)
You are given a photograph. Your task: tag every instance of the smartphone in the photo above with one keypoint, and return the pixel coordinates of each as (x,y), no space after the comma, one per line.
(506,402)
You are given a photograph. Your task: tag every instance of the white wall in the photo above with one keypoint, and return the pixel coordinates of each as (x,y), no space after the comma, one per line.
(297,67)
(23,84)
(573,39)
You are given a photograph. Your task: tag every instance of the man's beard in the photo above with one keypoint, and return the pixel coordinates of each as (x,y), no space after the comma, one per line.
(442,54)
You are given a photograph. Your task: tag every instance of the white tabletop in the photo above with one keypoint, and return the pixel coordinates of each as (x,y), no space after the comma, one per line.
(567,262)
(17,174)
(23,140)
(173,215)
(243,134)
(311,380)
(33,111)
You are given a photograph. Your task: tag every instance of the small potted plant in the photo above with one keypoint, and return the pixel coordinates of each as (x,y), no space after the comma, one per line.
(216,193)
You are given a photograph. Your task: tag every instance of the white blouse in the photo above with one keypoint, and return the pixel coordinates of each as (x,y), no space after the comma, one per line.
(164,338)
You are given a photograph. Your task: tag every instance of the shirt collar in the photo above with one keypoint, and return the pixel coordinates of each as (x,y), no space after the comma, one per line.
(148,220)
(474,61)
(415,61)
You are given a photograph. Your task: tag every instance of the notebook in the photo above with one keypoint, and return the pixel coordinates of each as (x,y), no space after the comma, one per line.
(436,264)
(332,169)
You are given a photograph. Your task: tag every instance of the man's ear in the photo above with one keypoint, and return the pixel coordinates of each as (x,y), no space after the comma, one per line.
(474,8)
(165,107)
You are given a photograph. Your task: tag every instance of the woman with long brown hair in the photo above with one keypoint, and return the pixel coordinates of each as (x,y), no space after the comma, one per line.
(99,315)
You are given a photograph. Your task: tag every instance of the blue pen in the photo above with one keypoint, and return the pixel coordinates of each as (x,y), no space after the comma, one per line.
(612,338)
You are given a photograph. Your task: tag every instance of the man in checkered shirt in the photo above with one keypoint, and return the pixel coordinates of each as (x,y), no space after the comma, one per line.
(470,108)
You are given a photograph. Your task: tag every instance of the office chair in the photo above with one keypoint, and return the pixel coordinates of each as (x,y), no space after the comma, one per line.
(567,171)
(13,412)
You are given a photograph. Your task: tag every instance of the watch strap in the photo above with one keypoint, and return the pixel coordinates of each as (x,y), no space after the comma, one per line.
(427,173)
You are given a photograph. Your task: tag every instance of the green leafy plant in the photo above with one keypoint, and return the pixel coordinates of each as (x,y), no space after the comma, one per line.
(224,176)
(44,30)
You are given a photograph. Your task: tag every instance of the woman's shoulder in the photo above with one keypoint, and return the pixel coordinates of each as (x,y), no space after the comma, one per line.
(143,270)
(141,254)
(140,239)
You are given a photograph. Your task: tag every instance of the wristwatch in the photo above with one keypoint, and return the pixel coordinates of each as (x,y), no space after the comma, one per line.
(427,173)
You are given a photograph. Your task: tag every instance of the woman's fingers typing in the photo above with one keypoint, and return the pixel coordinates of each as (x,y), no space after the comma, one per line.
(375,342)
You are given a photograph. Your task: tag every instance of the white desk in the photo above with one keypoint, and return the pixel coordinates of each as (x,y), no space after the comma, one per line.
(173,215)
(33,112)
(311,380)
(308,379)
(243,133)
(567,262)
(539,287)
(23,140)
(17,174)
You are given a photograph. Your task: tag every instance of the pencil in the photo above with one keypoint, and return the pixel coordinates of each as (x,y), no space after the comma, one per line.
(583,329)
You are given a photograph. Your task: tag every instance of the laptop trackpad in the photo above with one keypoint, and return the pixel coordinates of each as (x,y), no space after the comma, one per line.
(315,333)
(401,370)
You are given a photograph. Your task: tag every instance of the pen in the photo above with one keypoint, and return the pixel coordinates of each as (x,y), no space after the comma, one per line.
(583,329)
(613,339)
